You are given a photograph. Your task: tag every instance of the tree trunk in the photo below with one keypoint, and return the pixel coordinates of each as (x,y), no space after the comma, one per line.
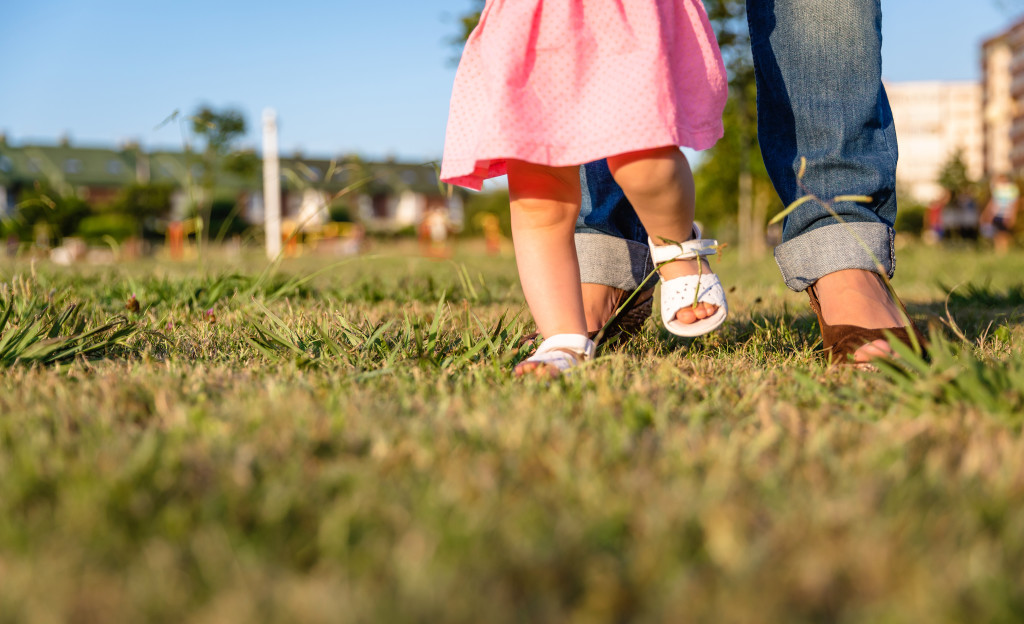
(744,216)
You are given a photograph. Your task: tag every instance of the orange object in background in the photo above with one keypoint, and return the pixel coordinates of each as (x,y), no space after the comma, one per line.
(492,233)
(176,240)
(434,230)
(290,235)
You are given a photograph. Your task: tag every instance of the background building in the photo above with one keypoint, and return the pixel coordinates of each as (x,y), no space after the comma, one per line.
(935,120)
(382,196)
(998,106)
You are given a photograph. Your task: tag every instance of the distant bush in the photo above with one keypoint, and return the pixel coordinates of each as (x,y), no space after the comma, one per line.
(910,218)
(226,219)
(341,212)
(95,229)
(147,205)
(143,200)
(479,204)
(44,206)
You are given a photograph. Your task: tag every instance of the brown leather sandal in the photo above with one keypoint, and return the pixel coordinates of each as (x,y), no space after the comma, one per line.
(631,320)
(842,341)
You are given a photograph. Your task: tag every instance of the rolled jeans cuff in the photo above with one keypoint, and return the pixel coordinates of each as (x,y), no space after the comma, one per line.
(805,259)
(613,261)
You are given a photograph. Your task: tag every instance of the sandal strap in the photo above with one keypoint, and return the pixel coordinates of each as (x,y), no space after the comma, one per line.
(681,292)
(563,351)
(575,343)
(688,250)
(844,340)
(839,342)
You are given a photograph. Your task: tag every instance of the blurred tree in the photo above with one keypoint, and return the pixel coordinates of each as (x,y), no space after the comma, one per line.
(732,183)
(243,163)
(148,200)
(219,130)
(99,228)
(954,177)
(146,205)
(466,23)
(217,133)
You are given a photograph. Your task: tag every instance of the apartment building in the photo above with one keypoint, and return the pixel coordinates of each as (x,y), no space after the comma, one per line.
(998,105)
(935,120)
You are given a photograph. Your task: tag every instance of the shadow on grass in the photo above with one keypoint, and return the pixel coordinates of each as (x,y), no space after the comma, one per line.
(976,309)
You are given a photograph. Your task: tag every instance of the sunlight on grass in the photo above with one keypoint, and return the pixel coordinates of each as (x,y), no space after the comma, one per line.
(220,443)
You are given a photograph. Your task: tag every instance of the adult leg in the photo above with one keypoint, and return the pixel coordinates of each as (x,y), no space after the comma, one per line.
(820,97)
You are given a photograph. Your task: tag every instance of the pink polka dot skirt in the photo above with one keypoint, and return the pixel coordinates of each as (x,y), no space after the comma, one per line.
(566,82)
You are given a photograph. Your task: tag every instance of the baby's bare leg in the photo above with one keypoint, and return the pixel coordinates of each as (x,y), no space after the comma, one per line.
(545,202)
(659,184)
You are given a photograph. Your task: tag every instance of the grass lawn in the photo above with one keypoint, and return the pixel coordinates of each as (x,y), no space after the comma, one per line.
(350,445)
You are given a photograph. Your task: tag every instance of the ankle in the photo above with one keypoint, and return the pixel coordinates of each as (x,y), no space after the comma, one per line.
(599,304)
(857,297)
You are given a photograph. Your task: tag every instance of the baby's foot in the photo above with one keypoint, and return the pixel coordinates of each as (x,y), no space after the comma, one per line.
(681,268)
(542,370)
(556,356)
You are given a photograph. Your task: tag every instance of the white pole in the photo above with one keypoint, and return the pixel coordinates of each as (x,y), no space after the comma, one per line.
(271,184)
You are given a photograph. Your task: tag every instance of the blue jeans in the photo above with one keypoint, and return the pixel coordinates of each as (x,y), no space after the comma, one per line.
(819,96)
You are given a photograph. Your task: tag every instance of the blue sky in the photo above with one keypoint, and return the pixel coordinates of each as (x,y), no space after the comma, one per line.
(345,75)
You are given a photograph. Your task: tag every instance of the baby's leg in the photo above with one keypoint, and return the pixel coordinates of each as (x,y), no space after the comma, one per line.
(545,202)
(659,184)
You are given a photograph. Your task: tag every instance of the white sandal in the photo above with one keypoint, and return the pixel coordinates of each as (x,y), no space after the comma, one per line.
(563,352)
(682,292)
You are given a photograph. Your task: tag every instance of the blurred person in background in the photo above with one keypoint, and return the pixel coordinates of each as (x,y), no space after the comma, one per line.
(1000,215)
(967,216)
(434,231)
(935,217)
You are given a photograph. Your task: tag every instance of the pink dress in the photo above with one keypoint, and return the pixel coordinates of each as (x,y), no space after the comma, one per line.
(566,82)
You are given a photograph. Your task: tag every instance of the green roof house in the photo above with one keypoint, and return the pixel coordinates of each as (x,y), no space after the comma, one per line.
(385,195)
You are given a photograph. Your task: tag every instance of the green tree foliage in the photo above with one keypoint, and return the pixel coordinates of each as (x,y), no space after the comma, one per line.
(138,210)
(718,174)
(99,228)
(217,133)
(144,200)
(219,130)
(466,23)
(954,177)
(243,163)
(41,209)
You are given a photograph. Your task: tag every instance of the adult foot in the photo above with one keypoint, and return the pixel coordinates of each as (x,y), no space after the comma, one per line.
(861,299)
(600,303)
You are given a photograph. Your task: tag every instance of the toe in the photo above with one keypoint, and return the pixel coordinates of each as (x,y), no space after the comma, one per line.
(687,315)
(872,350)
(705,310)
(692,314)
(537,370)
